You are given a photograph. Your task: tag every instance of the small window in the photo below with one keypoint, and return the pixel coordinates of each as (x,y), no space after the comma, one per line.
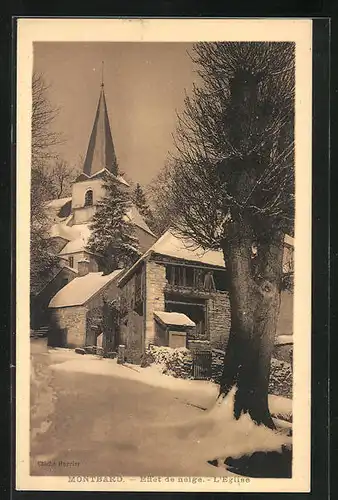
(89,198)
(71,261)
(170,274)
(189,276)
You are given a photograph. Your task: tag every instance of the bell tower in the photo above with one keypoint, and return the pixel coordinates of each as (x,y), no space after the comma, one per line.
(100,159)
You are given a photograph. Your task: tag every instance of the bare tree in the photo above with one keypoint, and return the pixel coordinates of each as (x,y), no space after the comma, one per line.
(62,175)
(44,142)
(44,139)
(230,186)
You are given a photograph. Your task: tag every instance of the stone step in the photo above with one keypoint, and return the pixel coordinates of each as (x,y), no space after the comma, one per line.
(41,332)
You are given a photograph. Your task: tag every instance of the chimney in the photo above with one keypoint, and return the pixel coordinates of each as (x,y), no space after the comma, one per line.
(83,267)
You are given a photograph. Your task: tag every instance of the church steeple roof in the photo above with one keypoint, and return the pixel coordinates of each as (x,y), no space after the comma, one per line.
(101,151)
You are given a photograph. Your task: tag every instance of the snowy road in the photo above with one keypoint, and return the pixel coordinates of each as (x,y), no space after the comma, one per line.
(85,422)
(105,425)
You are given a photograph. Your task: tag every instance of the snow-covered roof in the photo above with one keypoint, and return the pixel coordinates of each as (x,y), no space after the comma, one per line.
(58,210)
(173,318)
(284,339)
(172,246)
(136,218)
(80,234)
(122,180)
(99,173)
(58,202)
(78,291)
(61,231)
(288,240)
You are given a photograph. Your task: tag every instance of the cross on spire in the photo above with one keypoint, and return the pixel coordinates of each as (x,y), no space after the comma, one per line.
(102,80)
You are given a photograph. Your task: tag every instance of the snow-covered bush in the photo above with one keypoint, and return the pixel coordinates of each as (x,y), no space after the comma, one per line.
(174,362)
(280,378)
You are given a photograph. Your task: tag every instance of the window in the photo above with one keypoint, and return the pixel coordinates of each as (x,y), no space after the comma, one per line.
(71,261)
(189,276)
(64,282)
(221,281)
(186,276)
(88,198)
(195,311)
(138,287)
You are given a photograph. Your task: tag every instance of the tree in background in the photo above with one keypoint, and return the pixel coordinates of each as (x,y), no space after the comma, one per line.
(230,186)
(44,141)
(61,176)
(112,237)
(141,203)
(163,210)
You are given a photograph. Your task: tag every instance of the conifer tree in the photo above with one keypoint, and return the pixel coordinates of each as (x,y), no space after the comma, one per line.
(140,200)
(112,238)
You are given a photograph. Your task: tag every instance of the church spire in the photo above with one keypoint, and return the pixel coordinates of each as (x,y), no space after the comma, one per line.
(101,151)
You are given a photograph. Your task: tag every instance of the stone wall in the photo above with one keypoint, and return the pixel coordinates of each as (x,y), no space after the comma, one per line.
(78,320)
(218,307)
(283,352)
(73,319)
(156,282)
(219,320)
(132,319)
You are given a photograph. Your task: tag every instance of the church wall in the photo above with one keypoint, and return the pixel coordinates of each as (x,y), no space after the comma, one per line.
(145,239)
(58,243)
(83,215)
(80,256)
(80,188)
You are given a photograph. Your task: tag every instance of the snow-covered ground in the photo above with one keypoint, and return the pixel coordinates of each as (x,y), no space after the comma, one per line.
(116,419)
(200,393)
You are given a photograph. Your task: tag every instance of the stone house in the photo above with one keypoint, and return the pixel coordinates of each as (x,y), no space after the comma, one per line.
(173,278)
(76,311)
(190,286)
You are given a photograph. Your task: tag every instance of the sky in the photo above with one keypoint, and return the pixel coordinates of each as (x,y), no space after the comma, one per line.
(145,85)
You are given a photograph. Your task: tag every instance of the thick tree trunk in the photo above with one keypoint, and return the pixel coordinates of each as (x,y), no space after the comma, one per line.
(254,302)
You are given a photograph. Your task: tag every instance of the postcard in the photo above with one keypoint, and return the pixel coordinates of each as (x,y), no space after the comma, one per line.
(163,225)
